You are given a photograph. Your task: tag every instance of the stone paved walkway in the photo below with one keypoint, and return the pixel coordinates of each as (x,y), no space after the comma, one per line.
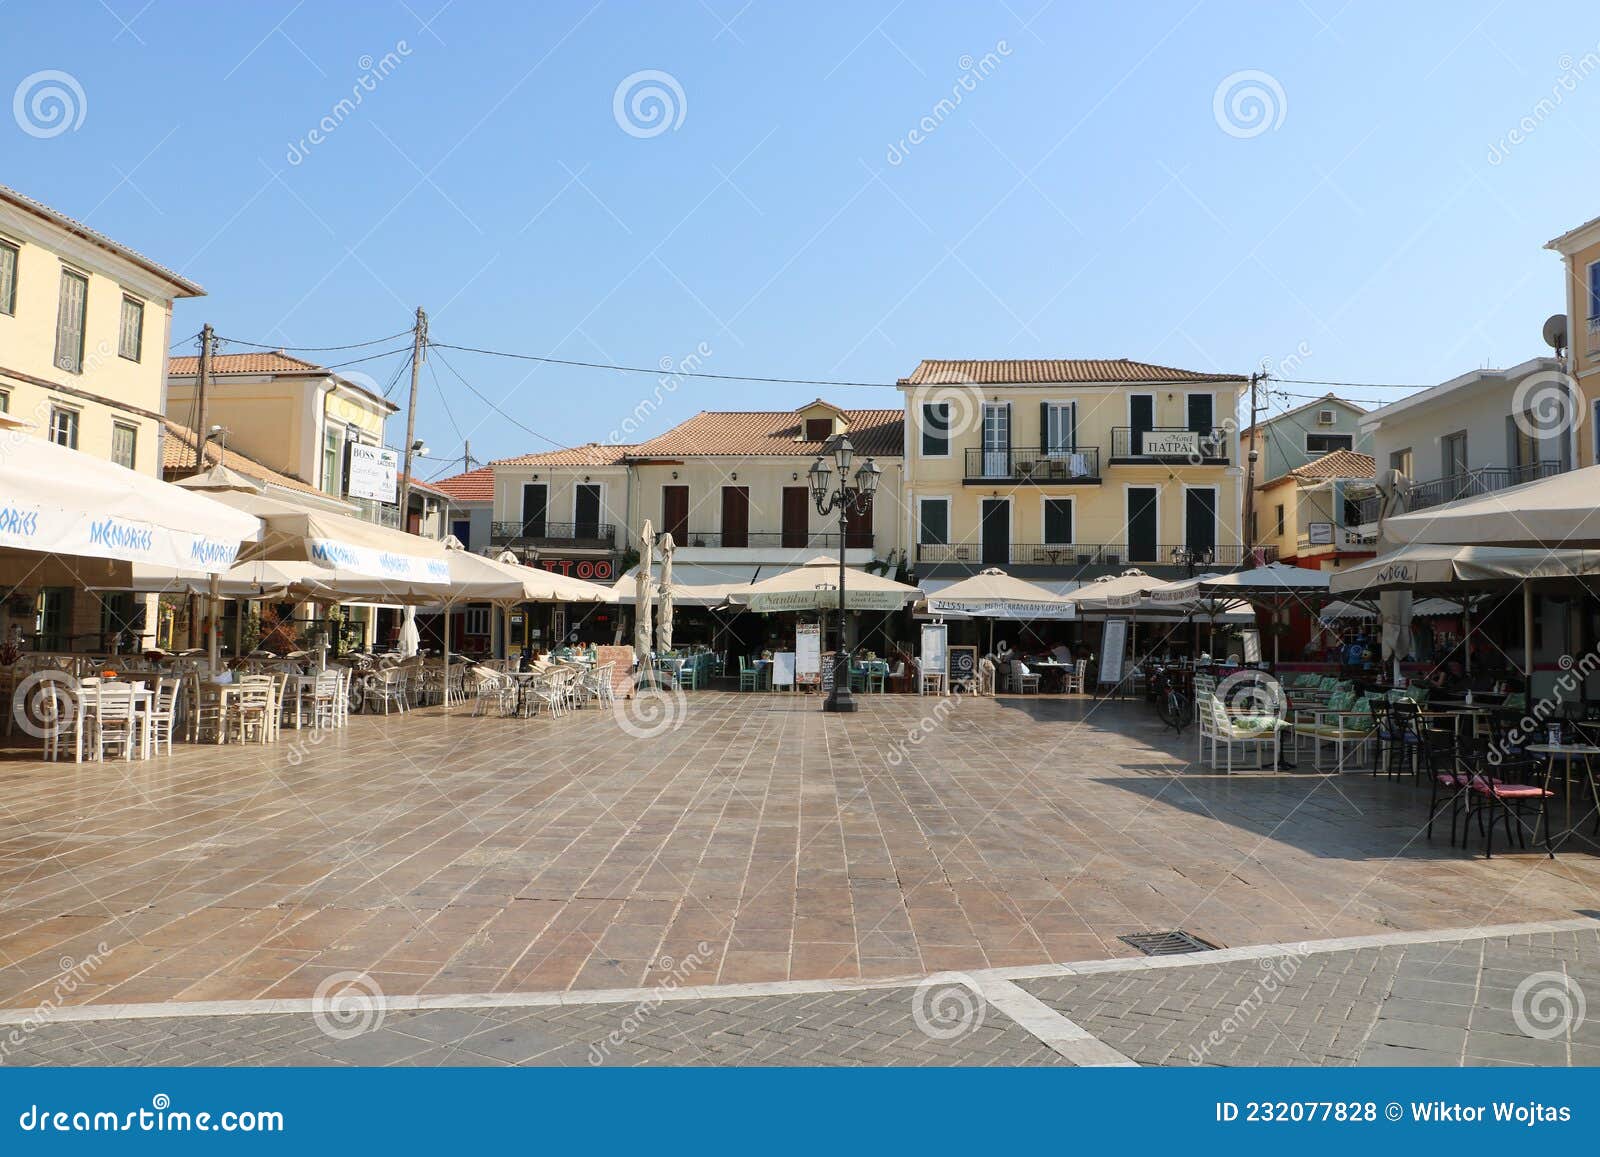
(755,839)
(1501,999)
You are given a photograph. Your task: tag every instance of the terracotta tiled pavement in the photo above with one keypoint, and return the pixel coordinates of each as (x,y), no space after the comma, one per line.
(758,840)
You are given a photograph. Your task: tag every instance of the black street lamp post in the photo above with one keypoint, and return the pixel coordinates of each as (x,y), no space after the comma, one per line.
(851,494)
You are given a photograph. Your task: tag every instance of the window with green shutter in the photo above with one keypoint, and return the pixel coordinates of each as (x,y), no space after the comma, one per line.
(70,321)
(1058,521)
(8,278)
(124,445)
(130,340)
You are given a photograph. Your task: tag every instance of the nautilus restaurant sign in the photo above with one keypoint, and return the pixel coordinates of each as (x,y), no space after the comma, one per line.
(59,501)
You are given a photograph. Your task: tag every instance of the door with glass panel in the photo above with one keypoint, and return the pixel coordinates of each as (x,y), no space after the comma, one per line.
(996,439)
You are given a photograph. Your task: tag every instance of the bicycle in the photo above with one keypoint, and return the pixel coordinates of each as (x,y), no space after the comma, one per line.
(1173,704)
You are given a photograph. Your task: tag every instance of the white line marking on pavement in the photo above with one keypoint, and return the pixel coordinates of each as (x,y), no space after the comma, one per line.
(91,1012)
(1053,1030)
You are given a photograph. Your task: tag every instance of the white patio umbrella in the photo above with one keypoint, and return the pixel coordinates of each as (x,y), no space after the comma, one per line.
(993,594)
(641,598)
(56,501)
(410,639)
(1274,586)
(664,621)
(1555,512)
(814,586)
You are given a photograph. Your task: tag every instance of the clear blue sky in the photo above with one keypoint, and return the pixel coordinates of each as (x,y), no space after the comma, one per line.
(1081,200)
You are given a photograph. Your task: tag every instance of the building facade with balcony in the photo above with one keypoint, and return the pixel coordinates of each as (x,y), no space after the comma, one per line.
(1311,515)
(1580,254)
(1067,469)
(731,488)
(85,323)
(1287,441)
(564,510)
(1483,431)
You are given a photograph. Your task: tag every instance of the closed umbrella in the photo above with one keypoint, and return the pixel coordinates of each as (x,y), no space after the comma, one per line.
(664,625)
(641,598)
(410,640)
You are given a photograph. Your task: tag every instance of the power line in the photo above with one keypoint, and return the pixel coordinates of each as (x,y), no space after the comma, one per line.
(658,371)
(313,349)
(434,375)
(1354,385)
(368,358)
(512,418)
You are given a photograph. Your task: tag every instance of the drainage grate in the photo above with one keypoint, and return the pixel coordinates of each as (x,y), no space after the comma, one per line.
(1167,943)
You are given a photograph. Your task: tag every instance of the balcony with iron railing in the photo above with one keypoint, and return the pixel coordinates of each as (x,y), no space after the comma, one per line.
(1220,557)
(1467,484)
(767,539)
(564,535)
(1334,538)
(1040,467)
(1171,444)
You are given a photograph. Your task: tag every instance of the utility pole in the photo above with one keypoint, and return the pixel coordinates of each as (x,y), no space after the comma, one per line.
(1250,470)
(208,341)
(419,350)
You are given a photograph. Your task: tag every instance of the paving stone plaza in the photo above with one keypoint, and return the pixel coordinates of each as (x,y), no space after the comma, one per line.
(927,882)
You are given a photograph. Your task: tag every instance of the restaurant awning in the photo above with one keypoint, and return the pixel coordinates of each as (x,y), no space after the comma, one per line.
(698,584)
(814,587)
(1560,511)
(993,594)
(1424,566)
(56,501)
(336,543)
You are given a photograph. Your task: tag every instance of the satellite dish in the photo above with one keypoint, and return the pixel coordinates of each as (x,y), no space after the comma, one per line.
(1555,331)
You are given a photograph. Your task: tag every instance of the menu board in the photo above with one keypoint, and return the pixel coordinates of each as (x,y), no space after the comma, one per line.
(935,637)
(1252,644)
(1113,651)
(827,673)
(783,669)
(808,654)
(963,666)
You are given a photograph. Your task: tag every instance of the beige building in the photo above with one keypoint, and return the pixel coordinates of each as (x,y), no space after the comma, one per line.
(1580,251)
(1066,469)
(85,323)
(1311,517)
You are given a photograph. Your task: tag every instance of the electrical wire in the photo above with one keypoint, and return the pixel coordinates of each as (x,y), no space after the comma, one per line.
(660,372)
(512,418)
(313,349)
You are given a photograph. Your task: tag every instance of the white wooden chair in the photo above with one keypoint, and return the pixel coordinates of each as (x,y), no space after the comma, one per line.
(1263,733)
(162,716)
(114,722)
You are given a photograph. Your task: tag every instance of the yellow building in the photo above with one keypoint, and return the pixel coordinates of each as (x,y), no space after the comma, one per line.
(1580,251)
(1310,516)
(85,324)
(1066,469)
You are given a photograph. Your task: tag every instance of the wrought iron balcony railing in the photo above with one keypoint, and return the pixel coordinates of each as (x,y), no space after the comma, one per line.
(1044,468)
(1176,444)
(1221,557)
(540,532)
(783,539)
(1467,484)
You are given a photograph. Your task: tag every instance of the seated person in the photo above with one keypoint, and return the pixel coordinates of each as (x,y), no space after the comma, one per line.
(1061,654)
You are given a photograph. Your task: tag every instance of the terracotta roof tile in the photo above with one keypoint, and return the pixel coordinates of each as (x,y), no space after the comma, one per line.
(177,458)
(1339,464)
(265,362)
(1028,371)
(473,486)
(874,433)
(589,454)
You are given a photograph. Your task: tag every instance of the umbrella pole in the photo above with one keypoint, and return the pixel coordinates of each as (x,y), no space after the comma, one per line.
(1527,640)
(214,605)
(446,695)
(1466,633)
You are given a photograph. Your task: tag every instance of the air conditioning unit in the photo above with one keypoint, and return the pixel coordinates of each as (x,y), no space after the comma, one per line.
(1325,418)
